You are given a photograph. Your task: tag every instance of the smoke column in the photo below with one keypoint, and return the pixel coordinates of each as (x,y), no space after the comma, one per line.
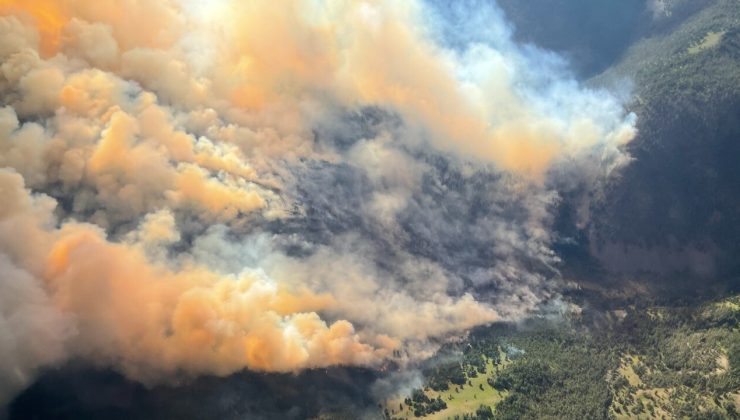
(194,187)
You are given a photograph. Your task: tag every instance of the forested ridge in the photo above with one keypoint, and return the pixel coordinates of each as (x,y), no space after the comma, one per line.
(642,362)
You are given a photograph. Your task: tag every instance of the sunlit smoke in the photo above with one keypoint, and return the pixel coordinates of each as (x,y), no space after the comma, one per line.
(209,186)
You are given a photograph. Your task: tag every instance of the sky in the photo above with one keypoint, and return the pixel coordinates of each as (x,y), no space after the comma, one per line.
(202,187)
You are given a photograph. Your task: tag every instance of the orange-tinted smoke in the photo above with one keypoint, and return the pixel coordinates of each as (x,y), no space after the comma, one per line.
(151,24)
(49,17)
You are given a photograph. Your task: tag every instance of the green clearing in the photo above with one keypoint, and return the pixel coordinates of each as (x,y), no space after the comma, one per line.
(711,40)
(627,370)
(460,399)
(729,305)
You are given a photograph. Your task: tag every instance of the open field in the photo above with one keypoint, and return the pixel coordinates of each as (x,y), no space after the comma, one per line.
(460,399)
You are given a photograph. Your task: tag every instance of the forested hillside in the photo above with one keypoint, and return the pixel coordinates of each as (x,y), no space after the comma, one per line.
(646,362)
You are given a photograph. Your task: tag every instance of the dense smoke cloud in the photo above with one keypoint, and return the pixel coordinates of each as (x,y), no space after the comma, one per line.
(203,187)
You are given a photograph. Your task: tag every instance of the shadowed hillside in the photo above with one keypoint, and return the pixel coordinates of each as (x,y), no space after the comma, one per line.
(675,208)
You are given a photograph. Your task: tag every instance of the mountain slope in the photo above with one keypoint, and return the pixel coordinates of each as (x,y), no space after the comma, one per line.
(676,207)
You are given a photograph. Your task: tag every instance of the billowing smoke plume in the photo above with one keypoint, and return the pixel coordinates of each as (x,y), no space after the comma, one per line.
(199,187)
